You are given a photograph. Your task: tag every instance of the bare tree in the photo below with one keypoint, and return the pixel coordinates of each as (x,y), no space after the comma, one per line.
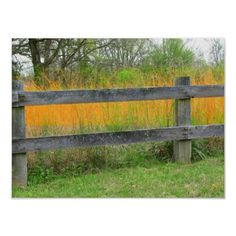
(217,52)
(43,53)
(123,53)
(75,51)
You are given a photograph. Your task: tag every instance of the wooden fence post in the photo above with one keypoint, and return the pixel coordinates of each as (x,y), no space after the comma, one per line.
(182,148)
(19,161)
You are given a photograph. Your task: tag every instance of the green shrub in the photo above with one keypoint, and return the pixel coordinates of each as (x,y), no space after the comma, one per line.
(129,75)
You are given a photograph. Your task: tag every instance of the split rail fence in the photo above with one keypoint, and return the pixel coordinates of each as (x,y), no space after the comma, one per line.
(181,133)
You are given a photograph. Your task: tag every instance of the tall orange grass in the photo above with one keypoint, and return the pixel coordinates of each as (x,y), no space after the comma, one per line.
(80,118)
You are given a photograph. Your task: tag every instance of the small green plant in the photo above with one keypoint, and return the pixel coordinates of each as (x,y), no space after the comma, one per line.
(129,75)
(40,174)
(198,150)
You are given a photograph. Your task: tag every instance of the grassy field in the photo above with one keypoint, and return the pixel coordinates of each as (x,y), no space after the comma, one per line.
(202,179)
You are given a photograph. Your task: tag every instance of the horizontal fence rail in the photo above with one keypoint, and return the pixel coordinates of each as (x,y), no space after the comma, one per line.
(116,138)
(22,98)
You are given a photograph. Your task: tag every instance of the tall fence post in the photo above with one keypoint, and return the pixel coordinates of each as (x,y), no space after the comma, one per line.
(19,161)
(182,148)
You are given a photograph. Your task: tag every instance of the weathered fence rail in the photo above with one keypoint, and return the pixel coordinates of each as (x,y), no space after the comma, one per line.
(116,138)
(114,95)
(181,133)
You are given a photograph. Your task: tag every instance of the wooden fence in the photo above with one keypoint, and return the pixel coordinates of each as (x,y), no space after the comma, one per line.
(181,133)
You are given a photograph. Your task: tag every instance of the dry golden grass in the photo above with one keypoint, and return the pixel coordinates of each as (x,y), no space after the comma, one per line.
(77,118)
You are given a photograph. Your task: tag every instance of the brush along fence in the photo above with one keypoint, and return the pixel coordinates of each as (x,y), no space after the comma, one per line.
(181,133)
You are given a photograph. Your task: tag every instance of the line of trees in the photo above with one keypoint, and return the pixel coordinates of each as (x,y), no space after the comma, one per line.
(107,54)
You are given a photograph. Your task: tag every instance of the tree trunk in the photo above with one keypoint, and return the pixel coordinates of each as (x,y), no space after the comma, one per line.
(36,60)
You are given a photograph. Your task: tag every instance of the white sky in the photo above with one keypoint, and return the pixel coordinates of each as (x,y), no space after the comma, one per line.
(202,45)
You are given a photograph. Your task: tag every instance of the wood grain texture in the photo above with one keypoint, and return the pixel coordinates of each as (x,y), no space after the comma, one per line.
(115,95)
(116,138)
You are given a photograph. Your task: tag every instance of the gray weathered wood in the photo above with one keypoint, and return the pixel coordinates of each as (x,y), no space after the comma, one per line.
(115,95)
(182,148)
(206,131)
(116,138)
(15,97)
(19,161)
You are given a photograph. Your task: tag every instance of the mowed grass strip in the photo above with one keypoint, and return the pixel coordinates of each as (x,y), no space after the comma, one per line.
(203,179)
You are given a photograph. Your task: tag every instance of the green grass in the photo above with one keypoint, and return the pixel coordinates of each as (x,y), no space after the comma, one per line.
(204,179)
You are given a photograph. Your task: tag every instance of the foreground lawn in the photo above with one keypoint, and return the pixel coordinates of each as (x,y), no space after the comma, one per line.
(201,179)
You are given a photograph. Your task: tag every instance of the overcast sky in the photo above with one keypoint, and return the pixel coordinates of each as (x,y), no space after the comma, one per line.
(202,45)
